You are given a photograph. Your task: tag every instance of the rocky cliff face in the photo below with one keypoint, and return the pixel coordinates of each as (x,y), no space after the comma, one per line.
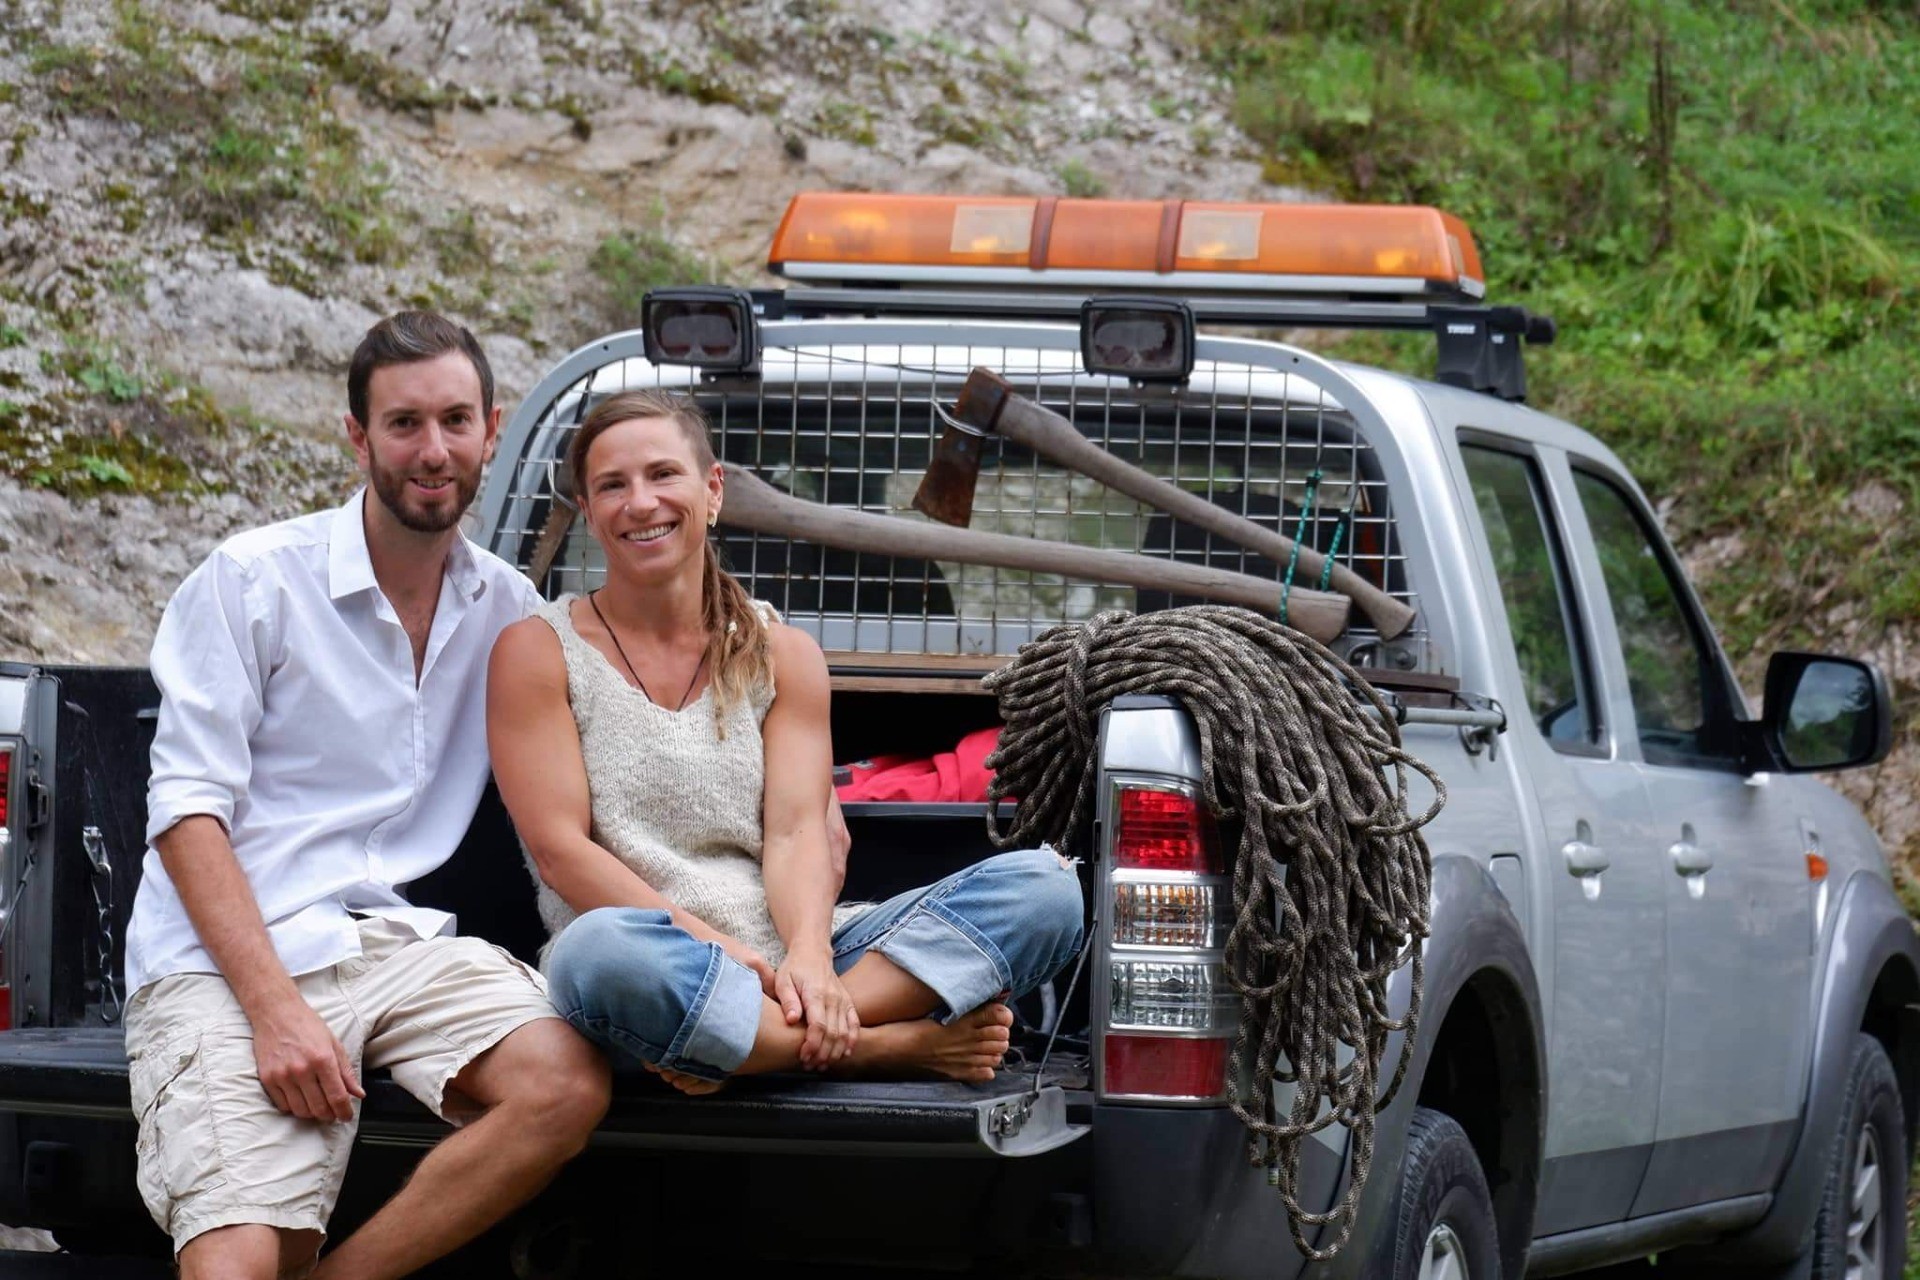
(204,204)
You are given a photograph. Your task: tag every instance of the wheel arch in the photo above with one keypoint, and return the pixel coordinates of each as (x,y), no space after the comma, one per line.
(1483,1071)
(1481,1005)
(1892,1017)
(1869,980)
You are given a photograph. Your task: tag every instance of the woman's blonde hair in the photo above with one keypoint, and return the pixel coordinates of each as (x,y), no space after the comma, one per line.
(737,638)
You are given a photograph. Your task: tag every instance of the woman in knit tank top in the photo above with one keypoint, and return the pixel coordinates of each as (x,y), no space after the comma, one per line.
(663,746)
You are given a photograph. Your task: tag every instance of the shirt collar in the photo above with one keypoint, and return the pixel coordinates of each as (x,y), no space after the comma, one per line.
(350,567)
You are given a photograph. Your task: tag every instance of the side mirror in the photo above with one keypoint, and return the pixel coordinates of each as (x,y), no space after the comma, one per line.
(1824,713)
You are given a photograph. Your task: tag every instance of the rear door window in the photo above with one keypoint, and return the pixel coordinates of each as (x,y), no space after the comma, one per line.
(1528,562)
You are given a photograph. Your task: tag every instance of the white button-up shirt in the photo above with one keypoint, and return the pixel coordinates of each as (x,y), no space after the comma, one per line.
(289,711)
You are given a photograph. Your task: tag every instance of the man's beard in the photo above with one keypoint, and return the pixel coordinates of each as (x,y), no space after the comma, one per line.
(391,488)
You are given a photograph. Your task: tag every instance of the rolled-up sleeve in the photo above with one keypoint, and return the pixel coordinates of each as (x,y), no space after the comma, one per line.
(208,659)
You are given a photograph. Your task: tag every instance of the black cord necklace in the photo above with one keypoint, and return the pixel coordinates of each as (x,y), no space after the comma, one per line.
(617,648)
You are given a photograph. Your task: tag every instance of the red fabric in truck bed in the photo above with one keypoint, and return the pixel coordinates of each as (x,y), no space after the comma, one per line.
(949,777)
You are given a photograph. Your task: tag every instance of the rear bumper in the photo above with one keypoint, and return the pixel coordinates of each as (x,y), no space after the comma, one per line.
(1174,1194)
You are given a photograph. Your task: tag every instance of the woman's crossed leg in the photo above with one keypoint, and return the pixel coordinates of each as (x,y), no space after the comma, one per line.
(927,972)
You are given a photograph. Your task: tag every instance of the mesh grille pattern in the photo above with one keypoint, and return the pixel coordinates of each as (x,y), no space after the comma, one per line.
(855,426)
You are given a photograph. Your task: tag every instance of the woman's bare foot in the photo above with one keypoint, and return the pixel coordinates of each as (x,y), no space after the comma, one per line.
(692,1086)
(968,1048)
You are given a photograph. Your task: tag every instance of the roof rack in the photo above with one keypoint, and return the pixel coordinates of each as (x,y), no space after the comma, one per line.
(1479,345)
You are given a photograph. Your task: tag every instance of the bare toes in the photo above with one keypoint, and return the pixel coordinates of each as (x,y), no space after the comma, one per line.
(692,1086)
(989,1016)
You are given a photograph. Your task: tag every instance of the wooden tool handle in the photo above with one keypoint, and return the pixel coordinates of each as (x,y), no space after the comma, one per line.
(754,505)
(988,402)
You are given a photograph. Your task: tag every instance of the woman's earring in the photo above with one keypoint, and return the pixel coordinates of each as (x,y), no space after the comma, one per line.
(713,517)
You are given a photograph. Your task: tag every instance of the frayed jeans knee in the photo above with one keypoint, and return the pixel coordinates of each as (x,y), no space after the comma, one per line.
(651,993)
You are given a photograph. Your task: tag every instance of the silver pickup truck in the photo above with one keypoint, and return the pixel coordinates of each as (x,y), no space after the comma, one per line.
(1670,995)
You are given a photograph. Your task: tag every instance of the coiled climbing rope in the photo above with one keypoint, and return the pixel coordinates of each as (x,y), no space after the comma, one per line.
(1331,876)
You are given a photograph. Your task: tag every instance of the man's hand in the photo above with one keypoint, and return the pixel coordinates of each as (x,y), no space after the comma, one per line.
(303,1066)
(807,987)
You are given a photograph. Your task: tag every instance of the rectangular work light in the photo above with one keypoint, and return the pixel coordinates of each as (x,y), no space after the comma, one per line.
(1142,339)
(1375,250)
(706,326)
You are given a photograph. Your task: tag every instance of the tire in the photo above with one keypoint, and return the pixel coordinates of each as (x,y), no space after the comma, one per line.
(1863,1236)
(1442,1219)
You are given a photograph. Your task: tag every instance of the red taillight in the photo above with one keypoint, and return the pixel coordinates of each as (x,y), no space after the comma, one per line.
(1164,831)
(1165,1066)
(6,783)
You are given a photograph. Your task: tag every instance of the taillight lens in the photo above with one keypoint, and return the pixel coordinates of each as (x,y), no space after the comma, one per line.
(6,782)
(1160,913)
(1170,1013)
(1164,831)
(1166,1066)
(1188,995)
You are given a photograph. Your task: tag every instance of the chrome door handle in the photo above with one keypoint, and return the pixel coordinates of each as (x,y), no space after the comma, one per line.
(1692,863)
(1586,861)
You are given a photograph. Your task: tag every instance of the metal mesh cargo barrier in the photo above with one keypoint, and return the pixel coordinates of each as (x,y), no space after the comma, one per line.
(855,426)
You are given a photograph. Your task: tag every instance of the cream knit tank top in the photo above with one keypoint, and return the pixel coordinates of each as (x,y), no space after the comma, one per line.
(670,798)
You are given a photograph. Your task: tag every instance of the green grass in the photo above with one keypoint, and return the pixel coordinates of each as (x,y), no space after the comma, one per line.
(1716,202)
(1912,1271)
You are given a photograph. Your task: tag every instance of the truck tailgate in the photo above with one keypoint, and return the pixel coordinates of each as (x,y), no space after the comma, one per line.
(82,1071)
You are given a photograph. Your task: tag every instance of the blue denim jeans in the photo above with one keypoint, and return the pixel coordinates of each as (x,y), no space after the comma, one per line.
(650,992)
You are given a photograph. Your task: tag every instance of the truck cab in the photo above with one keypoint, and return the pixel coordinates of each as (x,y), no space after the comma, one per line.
(1661,964)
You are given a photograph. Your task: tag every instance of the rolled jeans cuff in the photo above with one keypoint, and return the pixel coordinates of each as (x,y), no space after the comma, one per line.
(722,1022)
(949,955)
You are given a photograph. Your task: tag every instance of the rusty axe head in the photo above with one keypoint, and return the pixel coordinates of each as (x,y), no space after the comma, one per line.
(946,491)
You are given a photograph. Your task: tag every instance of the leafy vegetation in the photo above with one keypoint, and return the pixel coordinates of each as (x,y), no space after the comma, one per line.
(630,263)
(1717,203)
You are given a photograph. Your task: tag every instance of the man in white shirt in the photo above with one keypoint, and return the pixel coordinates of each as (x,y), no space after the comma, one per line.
(322,743)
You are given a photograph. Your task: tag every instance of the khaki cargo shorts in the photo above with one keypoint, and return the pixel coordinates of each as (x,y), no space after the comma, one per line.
(213,1149)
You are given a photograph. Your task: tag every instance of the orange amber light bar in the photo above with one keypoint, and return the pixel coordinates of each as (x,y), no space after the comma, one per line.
(1170,244)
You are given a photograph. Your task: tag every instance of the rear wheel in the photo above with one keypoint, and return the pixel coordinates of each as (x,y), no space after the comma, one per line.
(1861,1231)
(1442,1216)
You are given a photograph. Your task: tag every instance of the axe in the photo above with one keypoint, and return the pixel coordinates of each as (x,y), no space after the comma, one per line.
(757,507)
(990,406)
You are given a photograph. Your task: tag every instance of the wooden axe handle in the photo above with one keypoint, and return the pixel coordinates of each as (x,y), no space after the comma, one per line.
(988,402)
(754,505)
(546,547)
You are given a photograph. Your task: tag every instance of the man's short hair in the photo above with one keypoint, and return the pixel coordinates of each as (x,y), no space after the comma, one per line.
(407,337)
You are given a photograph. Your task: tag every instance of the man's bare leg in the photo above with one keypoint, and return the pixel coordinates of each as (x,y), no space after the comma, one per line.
(248,1251)
(544,1089)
